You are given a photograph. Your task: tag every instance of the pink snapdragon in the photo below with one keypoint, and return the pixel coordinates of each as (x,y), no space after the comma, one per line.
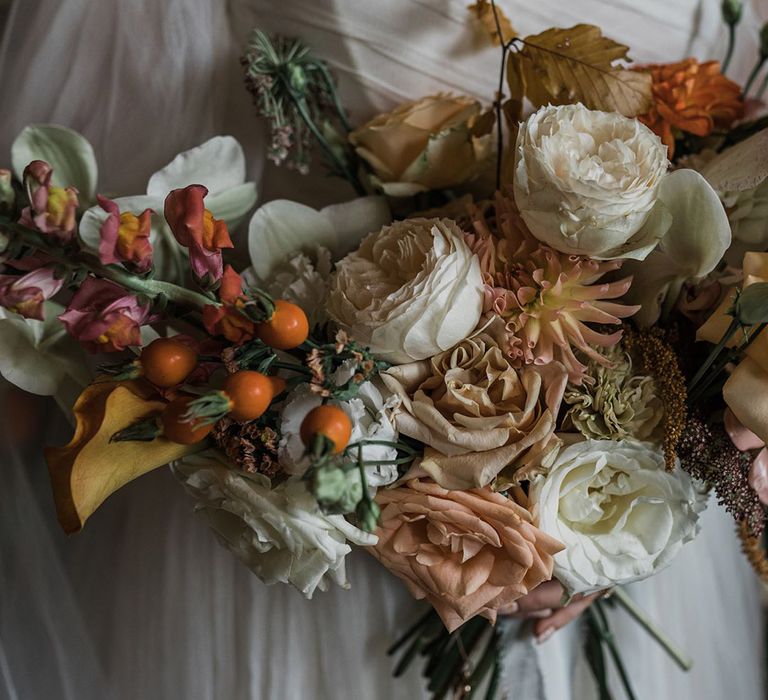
(103,317)
(26,294)
(194,227)
(52,209)
(125,237)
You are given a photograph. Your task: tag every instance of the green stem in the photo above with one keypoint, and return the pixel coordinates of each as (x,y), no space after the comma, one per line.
(329,152)
(731,44)
(613,651)
(499,94)
(753,75)
(148,287)
(640,616)
(340,111)
(713,355)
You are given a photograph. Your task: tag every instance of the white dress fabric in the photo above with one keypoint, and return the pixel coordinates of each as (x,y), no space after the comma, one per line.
(144,603)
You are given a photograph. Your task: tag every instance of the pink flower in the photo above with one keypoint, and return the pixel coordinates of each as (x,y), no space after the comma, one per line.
(546,298)
(467,552)
(103,317)
(52,209)
(125,237)
(194,227)
(25,295)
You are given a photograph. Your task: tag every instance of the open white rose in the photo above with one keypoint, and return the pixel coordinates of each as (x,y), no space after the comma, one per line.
(279,534)
(586,182)
(369,412)
(621,516)
(409,291)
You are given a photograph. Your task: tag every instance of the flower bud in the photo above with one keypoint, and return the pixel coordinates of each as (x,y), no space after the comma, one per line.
(732,11)
(7,195)
(751,306)
(337,490)
(368,513)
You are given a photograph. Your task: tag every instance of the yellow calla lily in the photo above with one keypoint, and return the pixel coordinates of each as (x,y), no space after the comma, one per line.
(90,468)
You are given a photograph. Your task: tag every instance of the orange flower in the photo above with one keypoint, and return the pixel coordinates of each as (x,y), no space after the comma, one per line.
(692,97)
(227,319)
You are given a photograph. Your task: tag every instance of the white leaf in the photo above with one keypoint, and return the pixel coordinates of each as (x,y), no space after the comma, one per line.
(740,167)
(67,152)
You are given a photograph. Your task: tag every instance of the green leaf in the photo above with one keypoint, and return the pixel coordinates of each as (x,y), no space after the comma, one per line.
(67,152)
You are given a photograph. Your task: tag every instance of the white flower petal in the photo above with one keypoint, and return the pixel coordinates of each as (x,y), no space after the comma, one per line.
(69,154)
(219,164)
(232,204)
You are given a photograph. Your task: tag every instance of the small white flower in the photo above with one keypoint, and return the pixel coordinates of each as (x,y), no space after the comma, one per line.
(409,291)
(621,516)
(369,412)
(279,534)
(586,182)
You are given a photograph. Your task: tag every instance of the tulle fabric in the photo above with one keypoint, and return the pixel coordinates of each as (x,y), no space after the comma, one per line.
(144,603)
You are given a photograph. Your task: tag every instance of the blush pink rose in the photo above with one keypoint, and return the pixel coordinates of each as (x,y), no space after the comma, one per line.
(467,552)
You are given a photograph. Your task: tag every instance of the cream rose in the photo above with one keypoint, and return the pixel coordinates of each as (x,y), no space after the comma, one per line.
(409,291)
(278,533)
(467,552)
(621,516)
(424,145)
(476,414)
(586,182)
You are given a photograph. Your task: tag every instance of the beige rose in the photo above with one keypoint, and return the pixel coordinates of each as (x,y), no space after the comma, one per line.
(467,552)
(476,413)
(424,145)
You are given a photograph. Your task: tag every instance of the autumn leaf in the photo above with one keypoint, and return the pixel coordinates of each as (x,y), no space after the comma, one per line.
(563,66)
(483,12)
(90,468)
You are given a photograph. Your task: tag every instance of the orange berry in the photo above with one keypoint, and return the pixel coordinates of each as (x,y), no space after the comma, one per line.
(288,328)
(181,431)
(330,422)
(166,362)
(250,394)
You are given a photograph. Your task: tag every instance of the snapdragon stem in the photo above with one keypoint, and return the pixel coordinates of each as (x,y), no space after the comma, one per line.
(148,287)
(499,93)
(640,616)
(732,328)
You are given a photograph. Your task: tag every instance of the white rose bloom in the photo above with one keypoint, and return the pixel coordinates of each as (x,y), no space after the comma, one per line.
(621,516)
(279,534)
(409,291)
(370,416)
(586,182)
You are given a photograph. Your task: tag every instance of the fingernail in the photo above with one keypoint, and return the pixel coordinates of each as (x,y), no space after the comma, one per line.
(545,635)
(541,613)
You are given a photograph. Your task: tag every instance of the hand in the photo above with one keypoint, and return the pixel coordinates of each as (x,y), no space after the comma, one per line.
(545,604)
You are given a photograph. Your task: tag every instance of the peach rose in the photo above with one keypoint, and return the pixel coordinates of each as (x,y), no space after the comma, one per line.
(428,144)
(467,552)
(476,413)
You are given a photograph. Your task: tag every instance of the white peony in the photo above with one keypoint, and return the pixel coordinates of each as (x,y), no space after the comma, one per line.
(279,534)
(409,291)
(621,516)
(370,416)
(586,182)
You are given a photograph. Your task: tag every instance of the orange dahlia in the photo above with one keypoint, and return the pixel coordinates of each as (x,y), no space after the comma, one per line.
(552,303)
(692,97)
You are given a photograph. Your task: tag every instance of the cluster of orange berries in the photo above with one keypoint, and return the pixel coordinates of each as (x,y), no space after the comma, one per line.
(167,363)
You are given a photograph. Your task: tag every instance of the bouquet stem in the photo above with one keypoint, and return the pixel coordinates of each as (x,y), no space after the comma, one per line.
(640,616)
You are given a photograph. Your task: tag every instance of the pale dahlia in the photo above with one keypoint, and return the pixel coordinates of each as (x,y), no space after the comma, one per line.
(546,298)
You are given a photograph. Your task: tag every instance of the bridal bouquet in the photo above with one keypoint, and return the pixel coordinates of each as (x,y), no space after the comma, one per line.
(526,351)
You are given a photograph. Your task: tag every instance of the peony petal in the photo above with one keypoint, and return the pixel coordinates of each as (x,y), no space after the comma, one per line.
(69,154)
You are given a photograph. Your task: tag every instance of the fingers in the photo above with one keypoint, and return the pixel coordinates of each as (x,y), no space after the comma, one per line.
(544,628)
(547,596)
